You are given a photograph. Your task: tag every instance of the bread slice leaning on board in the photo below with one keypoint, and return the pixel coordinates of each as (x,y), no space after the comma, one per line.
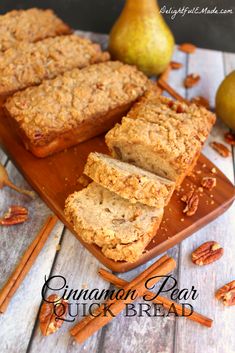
(120,228)
(129,181)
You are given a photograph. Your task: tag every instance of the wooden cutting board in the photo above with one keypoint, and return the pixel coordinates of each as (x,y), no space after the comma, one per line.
(55,177)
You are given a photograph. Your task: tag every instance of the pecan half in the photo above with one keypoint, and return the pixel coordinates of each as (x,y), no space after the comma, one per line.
(52,314)
(201,101)
(230,138)
(227,294)
(191,80)
(175,65)
(192,201)
(187,48)
(208,182)
(207,253)
(220,148)
(14,215)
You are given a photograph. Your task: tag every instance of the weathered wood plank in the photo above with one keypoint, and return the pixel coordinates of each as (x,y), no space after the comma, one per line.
(80,269)
(145,334)
(3,157)
(207,280)
(140,334)
(208,64)
(229,62)
(18,321)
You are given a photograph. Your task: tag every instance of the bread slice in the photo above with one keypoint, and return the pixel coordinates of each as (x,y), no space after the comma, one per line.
(130,182)
(161,136)
(120,228)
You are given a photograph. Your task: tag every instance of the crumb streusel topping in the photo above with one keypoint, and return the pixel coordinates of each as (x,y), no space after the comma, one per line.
(29,26)
(61,104)
(27,64)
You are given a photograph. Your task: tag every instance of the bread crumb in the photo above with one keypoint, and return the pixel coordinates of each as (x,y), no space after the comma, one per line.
(213,170)
(58,247)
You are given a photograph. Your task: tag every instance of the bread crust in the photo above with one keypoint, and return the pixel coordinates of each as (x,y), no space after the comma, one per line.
(128,181)
(87,129)
(161,136)
(30,25)
(121,229)
(28,64)
(75,106)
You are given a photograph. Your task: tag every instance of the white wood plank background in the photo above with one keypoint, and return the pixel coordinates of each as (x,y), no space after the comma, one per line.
(19,325)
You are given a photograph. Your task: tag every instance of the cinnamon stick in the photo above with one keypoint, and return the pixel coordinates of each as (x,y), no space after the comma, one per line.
(87,319)
(25,263)
(164,76)
(167,303)
(89,325)
(166,87)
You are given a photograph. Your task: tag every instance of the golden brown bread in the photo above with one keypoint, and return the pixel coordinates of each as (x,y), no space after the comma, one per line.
(28,64)
(162,136)
(128,181)
(31,25)
(74,106)
(120,228)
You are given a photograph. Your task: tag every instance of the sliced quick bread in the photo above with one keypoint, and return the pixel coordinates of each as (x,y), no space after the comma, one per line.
(161,136)
(120,228)
(128,181)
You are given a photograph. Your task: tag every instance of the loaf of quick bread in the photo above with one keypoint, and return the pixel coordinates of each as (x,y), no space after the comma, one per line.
(29,26)
(120,228)
(162,136)
(28,64)
(128,181)
(74,106)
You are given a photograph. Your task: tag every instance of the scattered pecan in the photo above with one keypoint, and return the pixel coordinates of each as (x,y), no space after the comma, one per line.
(175,65)
(14,215)
(191,80)
(227,294)
(201,101)
(220,148)
(230,138)
(208,182)
(187,48)
(207,253)
(52,314)
(180,109)
(192,201)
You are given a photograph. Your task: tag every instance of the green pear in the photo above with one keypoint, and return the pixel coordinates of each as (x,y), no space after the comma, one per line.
(141,37)
(225,100)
